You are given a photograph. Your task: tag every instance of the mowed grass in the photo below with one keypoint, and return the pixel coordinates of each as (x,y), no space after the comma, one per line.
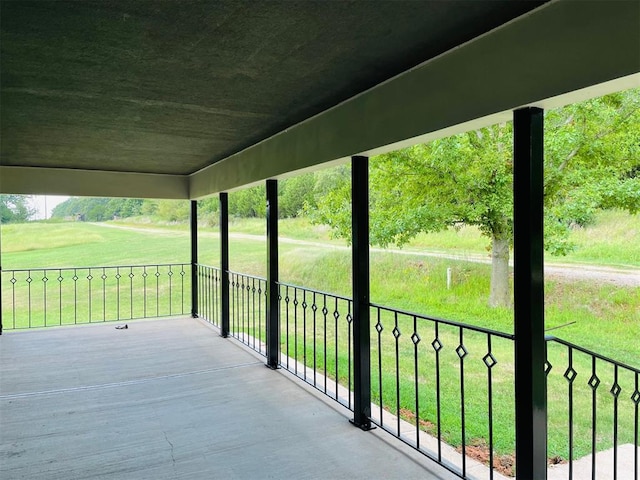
(606,317)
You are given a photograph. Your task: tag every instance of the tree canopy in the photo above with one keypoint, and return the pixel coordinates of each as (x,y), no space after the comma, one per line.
(592,162)
(15,209)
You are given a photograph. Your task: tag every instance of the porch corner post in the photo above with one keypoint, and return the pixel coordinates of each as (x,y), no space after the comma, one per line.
(224,264)
(530,377)
(360,286)
(193,221)
(273,309)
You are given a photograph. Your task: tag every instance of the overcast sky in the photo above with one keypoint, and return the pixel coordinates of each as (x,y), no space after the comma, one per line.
(39,202)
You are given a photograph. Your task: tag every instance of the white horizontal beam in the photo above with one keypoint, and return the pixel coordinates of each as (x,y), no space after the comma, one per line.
(91,183)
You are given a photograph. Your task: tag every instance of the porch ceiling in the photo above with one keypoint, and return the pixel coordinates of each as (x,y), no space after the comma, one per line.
(122,98)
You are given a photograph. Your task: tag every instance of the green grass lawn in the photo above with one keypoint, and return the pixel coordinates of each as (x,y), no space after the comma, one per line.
(607,317)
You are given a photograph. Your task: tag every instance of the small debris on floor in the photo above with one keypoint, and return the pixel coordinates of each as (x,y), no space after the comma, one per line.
(122,327)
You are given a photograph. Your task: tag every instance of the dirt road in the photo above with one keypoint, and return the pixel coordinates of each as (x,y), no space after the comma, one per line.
(624,277)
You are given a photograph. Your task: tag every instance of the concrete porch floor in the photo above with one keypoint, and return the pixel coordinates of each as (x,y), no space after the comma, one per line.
(169,399)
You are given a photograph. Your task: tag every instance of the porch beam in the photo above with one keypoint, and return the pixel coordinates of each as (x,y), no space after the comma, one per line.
(193,223)
(224,264)
(360,279)
(592,48)
(273,310)
(92,183)
(530,380)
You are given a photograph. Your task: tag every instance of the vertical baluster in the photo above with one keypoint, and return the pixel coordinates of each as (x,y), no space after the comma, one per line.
(462,353)
(104,295)
(437,346)
(89,278)
(170,275)
(144,290)
(249,310)
(13,298)
(314,309)
(44,296)
(75,296)
(242,317)
(256,333)
(570,374)
(615,391)
(379,328)
(28,280)
(415,338)
(205,295)
(489,360)
(118,276)
(635,397)
(157,275)
(295,328)
(336,315)
(397,333)
(593,383)
(208,292)
(131,275)
(349,357)
(182,274)
(233,303)
(304,332)
(286,302)
(324,339)
(60,278)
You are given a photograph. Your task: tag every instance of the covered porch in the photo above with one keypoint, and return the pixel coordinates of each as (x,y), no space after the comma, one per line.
(170,398)
(198,99)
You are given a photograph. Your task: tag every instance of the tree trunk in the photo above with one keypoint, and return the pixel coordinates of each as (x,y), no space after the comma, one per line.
(500,295)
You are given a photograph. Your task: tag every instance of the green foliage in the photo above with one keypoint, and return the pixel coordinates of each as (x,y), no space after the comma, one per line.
(248,203)
(332,200)
(97,209)
(15,209)
(592,162)
(294,194)
(172,210)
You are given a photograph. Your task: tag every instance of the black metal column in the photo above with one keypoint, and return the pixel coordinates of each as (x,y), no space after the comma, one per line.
(224,263)
(273,310)
(193,221)
(360,279)
(530,379)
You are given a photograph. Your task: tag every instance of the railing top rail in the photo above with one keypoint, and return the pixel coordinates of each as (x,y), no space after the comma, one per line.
(184,264)
(320,292)
(551,338)
(452,323)
(246,275)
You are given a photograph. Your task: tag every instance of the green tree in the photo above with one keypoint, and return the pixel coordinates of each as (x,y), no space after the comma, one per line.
(15,208)
(248,203)
(294,194)
(592,161)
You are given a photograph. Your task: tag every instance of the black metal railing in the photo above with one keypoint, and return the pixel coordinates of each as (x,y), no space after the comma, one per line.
(316,330)
(593,402)
(435,383)
(209,294)
(248,310)
(43,297)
